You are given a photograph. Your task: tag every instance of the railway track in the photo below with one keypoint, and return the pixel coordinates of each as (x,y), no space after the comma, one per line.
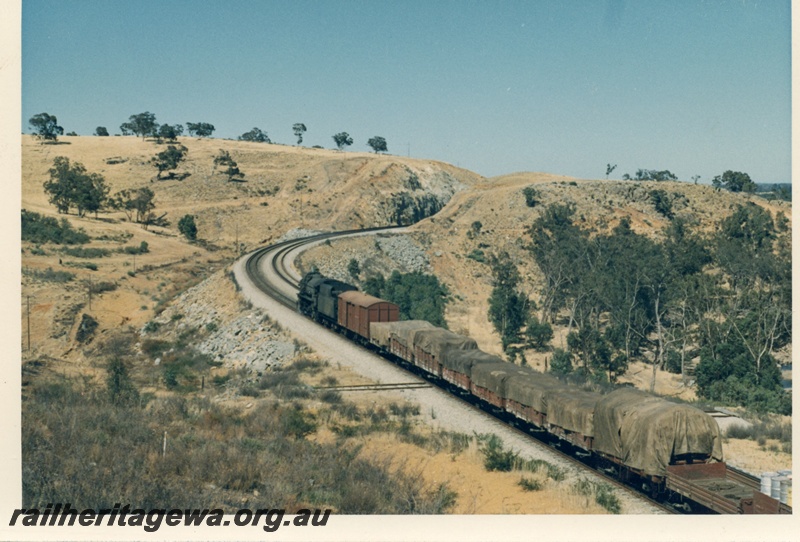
(285,293)
(377,387)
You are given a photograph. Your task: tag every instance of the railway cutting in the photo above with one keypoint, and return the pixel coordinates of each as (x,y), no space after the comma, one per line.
(672,453)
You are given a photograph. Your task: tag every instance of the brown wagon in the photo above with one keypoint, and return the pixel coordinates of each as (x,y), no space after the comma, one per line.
(357,310)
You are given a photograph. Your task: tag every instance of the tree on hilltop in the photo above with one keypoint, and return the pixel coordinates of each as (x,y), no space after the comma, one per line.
(170,133)
(342,140)
(299,129)
(46,127)
(143,124)
(101,131)
(200,129)
(378,144)
(257,135)
(735,181)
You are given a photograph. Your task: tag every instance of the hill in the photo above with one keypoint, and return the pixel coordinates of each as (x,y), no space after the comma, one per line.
(82,300)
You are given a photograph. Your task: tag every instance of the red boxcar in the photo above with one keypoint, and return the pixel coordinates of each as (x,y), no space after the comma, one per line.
(357,310)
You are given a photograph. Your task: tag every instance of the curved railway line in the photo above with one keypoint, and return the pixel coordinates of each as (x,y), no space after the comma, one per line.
(272,260)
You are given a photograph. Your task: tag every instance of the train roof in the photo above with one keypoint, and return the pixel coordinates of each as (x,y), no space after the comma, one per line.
(572,409)
(361,299)
(462,361)
(438,341)
(532,389)
(647,431)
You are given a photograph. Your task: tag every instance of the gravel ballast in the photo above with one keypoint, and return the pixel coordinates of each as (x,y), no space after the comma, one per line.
(438,408)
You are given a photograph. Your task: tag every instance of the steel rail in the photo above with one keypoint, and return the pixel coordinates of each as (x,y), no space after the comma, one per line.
(376,387)
(279,252)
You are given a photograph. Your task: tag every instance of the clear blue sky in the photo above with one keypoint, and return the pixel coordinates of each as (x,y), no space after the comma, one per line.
(696,87)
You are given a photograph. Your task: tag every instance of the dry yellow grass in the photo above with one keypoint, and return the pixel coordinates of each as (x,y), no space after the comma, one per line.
(290,187)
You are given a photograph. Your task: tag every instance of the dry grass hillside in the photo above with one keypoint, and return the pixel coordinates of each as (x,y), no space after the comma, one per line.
(284,188)
(287,188)
(454,248)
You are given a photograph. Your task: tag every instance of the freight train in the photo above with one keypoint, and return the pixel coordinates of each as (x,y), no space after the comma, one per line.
(667,447)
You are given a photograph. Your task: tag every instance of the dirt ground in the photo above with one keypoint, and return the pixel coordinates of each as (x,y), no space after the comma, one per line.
(291,187)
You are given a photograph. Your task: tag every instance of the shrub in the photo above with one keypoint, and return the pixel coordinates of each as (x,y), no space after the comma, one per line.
(602,492)
(495,457)
(171,376)
(419,296)
(188,227)
(86,252)
(553,472)
(248,390)
(561,362)
(86,329)
(529,484)
(121,390)
(531,196)
(151,327)
(475,229)
(40,229)
(49,275)
(207,444)
(305,364)
(539,334)
(102,286)
(297,423)
(353,268)
(330,396)
(143,248)
(85,265)
(662,203)
(478,255)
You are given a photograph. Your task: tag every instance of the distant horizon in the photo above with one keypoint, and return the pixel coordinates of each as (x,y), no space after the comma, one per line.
(696,88)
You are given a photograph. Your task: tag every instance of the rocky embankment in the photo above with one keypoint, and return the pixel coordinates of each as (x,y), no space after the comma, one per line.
(231,331)
(379,254)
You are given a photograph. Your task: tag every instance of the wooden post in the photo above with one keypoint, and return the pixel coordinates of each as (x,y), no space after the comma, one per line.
(29,322)
(164,447)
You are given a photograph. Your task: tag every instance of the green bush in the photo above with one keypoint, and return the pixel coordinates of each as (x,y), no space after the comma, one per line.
(531,196)
(80,446)
(143,248)
(539,334)
(529,484)
(561,362)
(188,227)
(419,296)
(86,329)
(354,269)
(602,492)
(40,229)
(495,457)
(84,265)
(49,275)
(297,423)
(86,252)
(102,286)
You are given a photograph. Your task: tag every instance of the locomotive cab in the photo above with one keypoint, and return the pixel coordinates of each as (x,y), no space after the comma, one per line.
(318,296)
